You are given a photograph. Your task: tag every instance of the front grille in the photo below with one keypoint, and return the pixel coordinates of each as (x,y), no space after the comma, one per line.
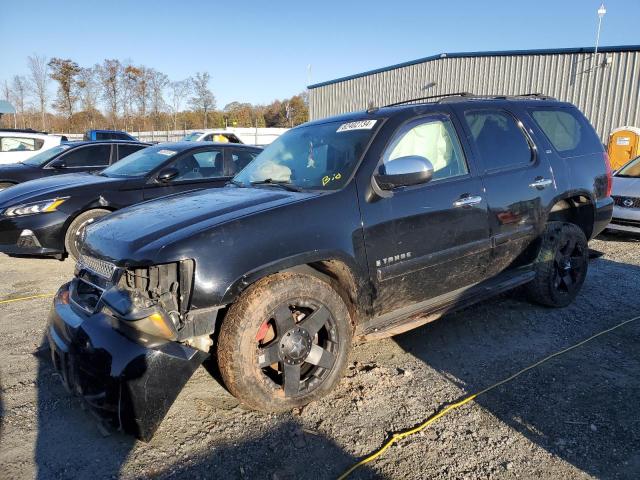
(626,202)
(97,266)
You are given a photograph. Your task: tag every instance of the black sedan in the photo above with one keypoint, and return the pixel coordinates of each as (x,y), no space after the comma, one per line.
(46,216)
(71,157)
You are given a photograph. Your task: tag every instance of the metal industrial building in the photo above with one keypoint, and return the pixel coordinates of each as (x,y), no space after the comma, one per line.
(604,85)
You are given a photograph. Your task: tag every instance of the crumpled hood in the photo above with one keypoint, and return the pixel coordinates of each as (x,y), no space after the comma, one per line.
(154,224)
(49,187)
(626,187)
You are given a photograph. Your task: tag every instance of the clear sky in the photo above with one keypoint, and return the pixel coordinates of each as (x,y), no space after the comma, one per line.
(259,51)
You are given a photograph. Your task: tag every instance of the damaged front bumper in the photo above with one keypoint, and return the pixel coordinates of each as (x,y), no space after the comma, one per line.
(129,384)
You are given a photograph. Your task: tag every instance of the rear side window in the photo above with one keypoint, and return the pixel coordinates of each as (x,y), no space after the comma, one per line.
(568,131)
(240,159)
(124,150)
(92,156)
(20,144)
(498,138)
(103,136)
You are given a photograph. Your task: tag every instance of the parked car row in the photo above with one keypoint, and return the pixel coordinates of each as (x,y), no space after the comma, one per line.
(359,226)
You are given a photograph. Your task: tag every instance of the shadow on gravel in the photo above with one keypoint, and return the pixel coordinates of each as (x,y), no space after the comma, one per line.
(582,406)
(69,444)
(284,453)
(1,409)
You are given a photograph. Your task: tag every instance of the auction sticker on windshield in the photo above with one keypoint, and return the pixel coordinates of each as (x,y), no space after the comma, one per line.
(166,152)
(359,125)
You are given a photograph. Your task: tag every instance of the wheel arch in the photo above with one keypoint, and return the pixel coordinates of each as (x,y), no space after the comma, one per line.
(91,206)
(576,207)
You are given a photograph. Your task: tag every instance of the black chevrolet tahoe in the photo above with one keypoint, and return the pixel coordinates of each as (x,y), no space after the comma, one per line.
(345,229)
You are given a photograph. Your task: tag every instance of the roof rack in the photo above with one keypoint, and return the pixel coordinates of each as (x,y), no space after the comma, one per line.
(22,130)
(461,96)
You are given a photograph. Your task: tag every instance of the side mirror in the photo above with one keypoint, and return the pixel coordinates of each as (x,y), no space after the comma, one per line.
(168,174)
(404,172)
(59,164)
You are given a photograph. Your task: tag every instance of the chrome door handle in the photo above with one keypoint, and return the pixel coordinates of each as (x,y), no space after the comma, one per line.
(541,183)
(467,201)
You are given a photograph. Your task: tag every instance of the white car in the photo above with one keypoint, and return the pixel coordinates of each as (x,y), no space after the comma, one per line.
(626,195)
(220,136)
(20,145)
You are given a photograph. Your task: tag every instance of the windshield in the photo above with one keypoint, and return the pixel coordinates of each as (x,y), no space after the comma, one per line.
(43,157)
(191,137)
(631,169)
(313,157)
(140,163)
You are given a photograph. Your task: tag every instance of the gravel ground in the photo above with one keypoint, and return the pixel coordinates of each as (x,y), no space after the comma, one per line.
(574,417)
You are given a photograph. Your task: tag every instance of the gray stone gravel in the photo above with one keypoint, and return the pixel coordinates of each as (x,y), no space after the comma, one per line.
(574,417)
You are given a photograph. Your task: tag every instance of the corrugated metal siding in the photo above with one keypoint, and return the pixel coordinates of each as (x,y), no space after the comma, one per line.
(609,96)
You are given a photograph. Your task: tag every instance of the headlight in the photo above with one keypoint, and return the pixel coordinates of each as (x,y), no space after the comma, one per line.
(43,206)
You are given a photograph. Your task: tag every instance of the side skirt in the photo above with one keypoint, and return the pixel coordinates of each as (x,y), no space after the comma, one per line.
(413,316)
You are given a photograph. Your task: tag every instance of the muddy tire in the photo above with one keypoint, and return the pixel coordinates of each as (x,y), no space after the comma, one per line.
(561,266)
(284,343)
(75,229)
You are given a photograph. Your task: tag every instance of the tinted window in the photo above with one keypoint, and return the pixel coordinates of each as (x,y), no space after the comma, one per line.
(240,159)
(20,144)
(498,138)
(201,165)
(568,131)
(46,155)
(103,136)
(124,150)
(92,156)
(435,139)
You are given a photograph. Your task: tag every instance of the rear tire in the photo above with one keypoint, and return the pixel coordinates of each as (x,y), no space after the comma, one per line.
(75,229)
(561,266)
(284,343)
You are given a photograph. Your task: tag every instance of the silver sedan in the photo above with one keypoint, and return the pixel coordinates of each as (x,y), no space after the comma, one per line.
(626,195)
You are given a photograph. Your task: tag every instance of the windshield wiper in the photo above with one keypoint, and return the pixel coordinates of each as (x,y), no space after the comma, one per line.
(236,183)
(286,185)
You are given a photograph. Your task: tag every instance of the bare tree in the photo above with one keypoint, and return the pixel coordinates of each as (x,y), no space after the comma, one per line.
(88,88)
(203,99)
(65,72)
(6,91)
(110,73)
(19,96)
(39,77)
(158,81)
(178,91)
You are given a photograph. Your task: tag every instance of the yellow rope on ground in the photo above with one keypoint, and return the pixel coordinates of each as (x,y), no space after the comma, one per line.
(400,435)
(20,299)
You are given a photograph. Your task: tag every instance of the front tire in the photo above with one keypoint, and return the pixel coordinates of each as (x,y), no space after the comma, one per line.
(561,266)
(284,343)
(75,229)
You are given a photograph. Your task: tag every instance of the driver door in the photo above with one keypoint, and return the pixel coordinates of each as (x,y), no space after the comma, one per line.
(200,169)
(426,240)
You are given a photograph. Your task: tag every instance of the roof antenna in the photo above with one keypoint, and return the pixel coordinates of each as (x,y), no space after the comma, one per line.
(372,107)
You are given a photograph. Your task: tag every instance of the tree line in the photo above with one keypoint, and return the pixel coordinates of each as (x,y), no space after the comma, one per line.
(120,95)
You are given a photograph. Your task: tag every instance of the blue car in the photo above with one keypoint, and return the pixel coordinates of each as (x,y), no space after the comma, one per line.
(93,135)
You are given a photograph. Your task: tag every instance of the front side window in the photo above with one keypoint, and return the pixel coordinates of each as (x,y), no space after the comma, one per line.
(631,169)
(200,165)
(318,156)
(92,156)
(500,141)
(20,144)
(142,162)
(435,139)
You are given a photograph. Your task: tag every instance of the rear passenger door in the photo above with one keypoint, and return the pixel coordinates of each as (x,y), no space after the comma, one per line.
(126,149)
(518,179)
